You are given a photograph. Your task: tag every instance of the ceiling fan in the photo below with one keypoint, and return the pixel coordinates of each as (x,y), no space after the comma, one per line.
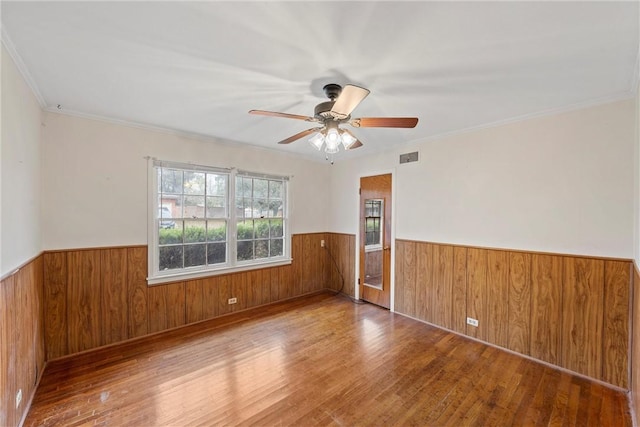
(336,111)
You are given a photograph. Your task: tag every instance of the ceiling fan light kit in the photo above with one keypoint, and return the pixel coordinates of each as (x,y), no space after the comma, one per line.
(332,113)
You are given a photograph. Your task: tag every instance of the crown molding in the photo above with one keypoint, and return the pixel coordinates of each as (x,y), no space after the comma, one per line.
(22,68)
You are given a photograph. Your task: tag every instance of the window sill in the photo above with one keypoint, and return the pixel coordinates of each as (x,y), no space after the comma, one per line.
(198,274)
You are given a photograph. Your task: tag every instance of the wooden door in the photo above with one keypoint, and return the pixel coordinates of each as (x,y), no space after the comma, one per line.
(375,239)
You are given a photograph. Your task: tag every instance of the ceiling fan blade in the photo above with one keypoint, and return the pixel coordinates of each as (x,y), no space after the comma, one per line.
(284,115)
(348,100)
(300,135)
(356,144)
(385,122)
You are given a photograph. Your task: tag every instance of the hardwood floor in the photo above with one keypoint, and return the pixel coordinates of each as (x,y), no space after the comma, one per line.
(318,360)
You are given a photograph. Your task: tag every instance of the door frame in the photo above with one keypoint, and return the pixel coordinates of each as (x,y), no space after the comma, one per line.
(392,243)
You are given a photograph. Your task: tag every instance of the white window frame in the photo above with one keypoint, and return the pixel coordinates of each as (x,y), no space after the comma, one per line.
(157,276)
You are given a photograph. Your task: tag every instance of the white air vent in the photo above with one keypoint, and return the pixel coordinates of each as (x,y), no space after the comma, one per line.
(409,157)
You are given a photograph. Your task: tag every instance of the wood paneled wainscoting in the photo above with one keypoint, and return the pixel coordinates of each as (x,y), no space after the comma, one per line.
(569,311)
(22,353)
(342,273)
(96,297)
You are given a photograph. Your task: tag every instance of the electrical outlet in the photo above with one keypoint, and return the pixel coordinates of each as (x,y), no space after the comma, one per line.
(471,321)
(233,300)
(322,243)
(18,398)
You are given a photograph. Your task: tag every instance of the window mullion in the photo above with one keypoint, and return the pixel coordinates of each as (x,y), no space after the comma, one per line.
(232,245)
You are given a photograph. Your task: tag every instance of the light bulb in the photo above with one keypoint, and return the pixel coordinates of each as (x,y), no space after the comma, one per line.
(347,139)
(316,141)
(333,141)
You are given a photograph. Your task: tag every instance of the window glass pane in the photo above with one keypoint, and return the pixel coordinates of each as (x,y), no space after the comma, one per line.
(165,218)
(170,257)
(194,183)
(238,186)
(276,228)
(275,209)
(216,253)
(164,212)
(169,235)
(260,188)
(275,189)
(194,232)
(216,207)
(240,208)
(369,224)
(243,187)
(248,208)
(372,238)
(245,230)
(262,249)
(173,203)
(194,255)
(260,208)
(245,250)
(216,231)
(276,248)
(261,229)
(216,185)
(193,207)
(170,181)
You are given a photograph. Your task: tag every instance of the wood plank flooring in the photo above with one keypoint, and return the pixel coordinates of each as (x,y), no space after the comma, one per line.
(318,360)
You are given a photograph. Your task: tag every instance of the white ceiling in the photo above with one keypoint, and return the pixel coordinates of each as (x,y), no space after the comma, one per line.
(198,67)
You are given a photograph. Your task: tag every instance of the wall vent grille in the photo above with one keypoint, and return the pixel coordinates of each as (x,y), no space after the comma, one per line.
(409,157)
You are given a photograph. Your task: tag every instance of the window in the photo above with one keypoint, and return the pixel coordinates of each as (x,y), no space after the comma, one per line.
(260,209)
(373,221)
(195,232)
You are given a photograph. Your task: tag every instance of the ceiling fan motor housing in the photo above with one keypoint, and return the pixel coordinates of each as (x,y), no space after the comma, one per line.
(323,110)
(332,90)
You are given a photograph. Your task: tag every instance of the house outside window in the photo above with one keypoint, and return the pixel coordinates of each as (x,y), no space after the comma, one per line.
(196,233)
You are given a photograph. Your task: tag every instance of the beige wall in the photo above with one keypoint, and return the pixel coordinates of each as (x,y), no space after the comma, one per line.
(97,193)
(560,183)
(20,169)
